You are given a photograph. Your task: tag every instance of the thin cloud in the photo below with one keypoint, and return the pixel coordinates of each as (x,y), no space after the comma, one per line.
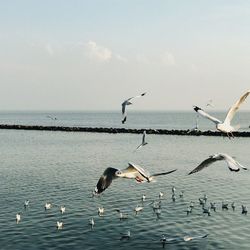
(98,52)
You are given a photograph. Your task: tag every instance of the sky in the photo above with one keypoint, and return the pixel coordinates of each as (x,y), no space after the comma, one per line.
(92,55)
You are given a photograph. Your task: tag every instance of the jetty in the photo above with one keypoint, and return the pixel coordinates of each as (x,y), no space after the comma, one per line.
(123,130)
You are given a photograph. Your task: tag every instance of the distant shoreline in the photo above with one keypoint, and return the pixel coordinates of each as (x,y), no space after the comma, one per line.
(121,130)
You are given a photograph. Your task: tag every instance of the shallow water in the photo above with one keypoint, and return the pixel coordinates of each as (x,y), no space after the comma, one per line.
(63,168)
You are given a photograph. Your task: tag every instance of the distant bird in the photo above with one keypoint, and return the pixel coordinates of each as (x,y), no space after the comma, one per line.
(210,103)
(100,211)
(91,222)
(160,195)
(224,126)
(128,102)
(26,203)
(189,210)
(233,206)
(173,197)
(122,216)
(202,201)
(191,204)
(59,225)
(18,218)
(143,198)
(206,211)
(181,194)
(232,164)
(188,238)
(244,209)
(125,236)
(163,240)
(143,143)
(62,209)
(51,117)
(173,190)
(138,209)
(224,206)
(47,206)
(133,171)
(213,206)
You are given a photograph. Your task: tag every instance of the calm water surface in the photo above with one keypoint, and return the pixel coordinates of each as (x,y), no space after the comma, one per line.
(63,168)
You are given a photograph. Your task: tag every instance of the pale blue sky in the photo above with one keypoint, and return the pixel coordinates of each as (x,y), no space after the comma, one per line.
(91,55)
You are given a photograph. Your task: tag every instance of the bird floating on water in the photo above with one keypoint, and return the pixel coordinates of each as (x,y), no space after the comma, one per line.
(128,102)
(47,206)
(138,209)
(62,209)
(125,236)
(224,126)
(133,171)
(18,218)
(26,203)
(232,164)
(59,225)
(100,211)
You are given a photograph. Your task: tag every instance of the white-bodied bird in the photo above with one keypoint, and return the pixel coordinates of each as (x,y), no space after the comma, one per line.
(224,126)
(133,171)
(232,164)
(128,102)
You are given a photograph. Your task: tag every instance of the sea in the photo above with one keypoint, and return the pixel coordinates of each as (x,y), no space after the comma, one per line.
(62,168)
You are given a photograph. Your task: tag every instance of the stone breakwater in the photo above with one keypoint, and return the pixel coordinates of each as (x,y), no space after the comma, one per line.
(121,130)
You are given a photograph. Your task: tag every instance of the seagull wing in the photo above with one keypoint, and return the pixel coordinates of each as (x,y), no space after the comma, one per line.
(139,169)
(206,115)
(206,163)
(164,173)
(138,147)
(231,163)
(123,107)
(235,107)
(105,180)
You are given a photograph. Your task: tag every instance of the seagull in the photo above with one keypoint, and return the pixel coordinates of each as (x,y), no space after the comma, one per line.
(138,209)
(173,190)
(51,117)
(210,103)
(224,206)
(143,143)
(213,206)
(125,236)
(59,225)
(188,238)
(206,211)
(18,218)
(233,206)
(62,209)
(232,164)
(100,211)
(122,216)
(133,171)
(128,102)
(47,206)
(224,126)
(91,222)
(143,198)
(160,195)
(26,203)
(189,210)
(244,209)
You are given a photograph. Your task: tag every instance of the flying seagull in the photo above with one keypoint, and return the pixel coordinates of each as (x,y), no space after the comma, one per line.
(224,126)
(128,102)
(232,164)
(143,143)
(133,171)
